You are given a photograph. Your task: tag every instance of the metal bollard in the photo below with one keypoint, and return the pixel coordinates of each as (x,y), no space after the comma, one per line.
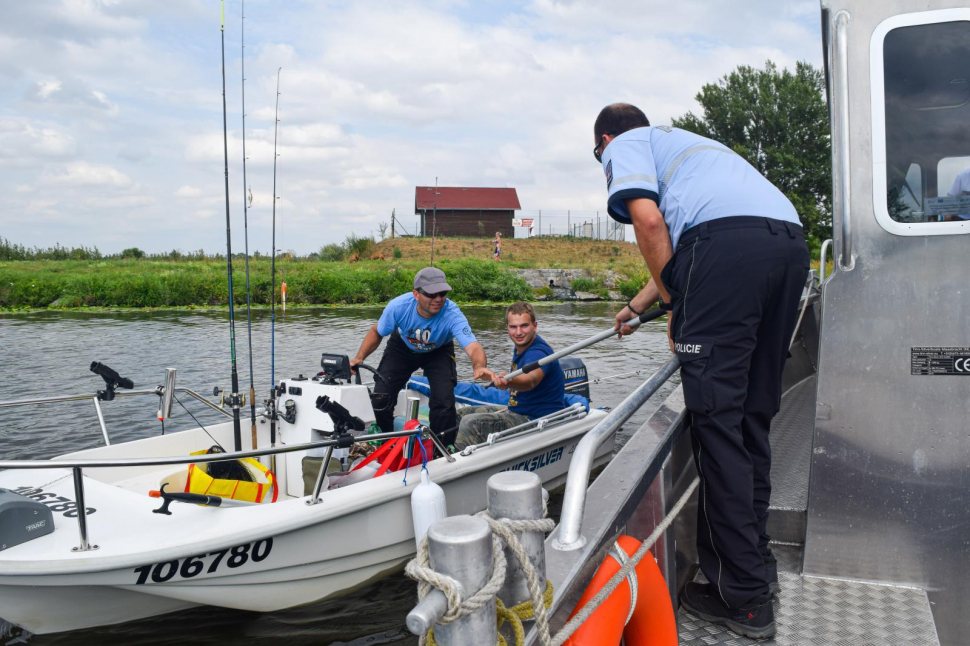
(517,495)
(460,547)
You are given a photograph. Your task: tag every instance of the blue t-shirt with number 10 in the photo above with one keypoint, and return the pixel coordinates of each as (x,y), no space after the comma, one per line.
(421,334)
(550,395)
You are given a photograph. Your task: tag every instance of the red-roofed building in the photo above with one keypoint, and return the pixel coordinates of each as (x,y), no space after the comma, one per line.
(458,211)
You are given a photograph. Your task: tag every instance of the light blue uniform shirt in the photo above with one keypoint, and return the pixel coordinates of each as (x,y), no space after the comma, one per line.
(421,334)
(691,178)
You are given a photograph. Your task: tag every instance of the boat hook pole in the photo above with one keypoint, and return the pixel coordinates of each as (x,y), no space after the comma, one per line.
(649,315)
(246,204)
(234,396)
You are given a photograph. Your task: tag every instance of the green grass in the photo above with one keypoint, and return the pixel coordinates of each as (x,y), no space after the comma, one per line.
(584,284)
(148,283)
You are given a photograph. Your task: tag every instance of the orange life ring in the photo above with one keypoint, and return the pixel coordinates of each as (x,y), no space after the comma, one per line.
(652,622)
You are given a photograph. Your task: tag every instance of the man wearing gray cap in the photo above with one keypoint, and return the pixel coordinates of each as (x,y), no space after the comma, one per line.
(423,325)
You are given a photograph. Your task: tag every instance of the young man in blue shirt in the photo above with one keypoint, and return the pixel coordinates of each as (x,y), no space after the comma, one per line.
(531,395)
(422,325)
(727,255)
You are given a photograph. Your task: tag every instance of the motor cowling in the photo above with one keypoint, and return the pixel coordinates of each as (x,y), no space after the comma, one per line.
(575,376)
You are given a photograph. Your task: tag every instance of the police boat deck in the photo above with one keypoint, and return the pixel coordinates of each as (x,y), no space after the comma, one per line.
(646,478)
(119,560)
(812,609)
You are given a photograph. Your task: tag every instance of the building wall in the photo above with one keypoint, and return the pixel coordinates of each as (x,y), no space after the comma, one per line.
(465,223)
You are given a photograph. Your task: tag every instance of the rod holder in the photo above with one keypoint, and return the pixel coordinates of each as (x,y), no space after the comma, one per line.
(517,495)
(459,547)
(166,395)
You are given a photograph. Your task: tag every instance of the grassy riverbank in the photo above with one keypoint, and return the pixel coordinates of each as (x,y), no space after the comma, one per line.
(173,283)
(186,282)
(159,284)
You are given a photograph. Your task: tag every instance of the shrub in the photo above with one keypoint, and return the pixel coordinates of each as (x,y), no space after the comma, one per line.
(544,291)
(332,252)
(360,245)
(397,252)
(132,253)
(630,288)
(483,280)
(584,285)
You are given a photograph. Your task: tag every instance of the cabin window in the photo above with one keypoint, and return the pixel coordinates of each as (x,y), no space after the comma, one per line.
(921,108)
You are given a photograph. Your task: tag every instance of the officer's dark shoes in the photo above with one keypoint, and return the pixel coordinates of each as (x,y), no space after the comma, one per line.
(756,621)
(771,571)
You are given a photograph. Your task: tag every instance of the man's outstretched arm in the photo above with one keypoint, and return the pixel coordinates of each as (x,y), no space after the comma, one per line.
(370,343)
(476,353)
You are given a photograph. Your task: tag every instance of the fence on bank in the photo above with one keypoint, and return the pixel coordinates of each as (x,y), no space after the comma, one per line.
(596,225)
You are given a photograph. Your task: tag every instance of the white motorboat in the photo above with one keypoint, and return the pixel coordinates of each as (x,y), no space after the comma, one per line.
(119,561)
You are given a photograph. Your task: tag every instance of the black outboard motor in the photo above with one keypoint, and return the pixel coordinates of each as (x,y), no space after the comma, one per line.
(574,373)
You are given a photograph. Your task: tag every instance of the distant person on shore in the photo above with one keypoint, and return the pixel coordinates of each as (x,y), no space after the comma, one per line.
(728,260)
(531,395)
(497,255)
(423,325)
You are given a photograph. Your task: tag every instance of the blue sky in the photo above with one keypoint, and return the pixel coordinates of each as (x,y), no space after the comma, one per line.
(111,111)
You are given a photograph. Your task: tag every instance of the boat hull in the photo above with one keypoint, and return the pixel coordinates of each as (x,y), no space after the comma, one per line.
(263,558)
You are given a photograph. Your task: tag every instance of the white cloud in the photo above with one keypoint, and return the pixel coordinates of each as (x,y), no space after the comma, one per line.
(26,142)
(86,174)
(115,107)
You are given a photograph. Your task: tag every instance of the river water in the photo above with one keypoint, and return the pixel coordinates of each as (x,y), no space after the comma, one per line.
(48,353)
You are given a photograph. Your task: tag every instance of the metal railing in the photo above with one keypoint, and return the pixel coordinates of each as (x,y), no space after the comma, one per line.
(842,149)
(78,465)
(97,403)
(574,412)
(568,535)
(823,261)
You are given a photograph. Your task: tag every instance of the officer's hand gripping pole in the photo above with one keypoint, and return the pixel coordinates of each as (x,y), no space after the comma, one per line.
(649,315)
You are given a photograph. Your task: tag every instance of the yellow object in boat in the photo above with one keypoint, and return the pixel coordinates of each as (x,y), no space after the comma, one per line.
(199,481)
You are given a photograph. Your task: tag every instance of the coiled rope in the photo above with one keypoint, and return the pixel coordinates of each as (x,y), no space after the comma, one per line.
(503,530)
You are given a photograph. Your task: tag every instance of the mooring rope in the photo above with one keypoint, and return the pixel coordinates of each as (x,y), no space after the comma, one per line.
(503,531)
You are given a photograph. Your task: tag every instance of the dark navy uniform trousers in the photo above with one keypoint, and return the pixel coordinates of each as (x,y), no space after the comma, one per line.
(735,286)
(397,365)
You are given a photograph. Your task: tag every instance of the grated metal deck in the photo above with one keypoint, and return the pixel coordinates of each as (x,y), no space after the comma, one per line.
(792,431)
(812,611)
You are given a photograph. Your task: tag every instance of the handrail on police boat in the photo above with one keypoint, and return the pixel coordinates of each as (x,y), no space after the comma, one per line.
(574,501)
(840,55)
(823,260)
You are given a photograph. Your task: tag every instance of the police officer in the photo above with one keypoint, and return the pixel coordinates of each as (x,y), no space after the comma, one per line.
(422,324)
(728,258)
(531,395)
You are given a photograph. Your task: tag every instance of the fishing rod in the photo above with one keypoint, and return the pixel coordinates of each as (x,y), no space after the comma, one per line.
(246,204)
(635,322)
(234,397)
(272,325)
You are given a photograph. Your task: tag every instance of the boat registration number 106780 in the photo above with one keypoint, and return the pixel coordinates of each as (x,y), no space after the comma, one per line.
(193,566)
